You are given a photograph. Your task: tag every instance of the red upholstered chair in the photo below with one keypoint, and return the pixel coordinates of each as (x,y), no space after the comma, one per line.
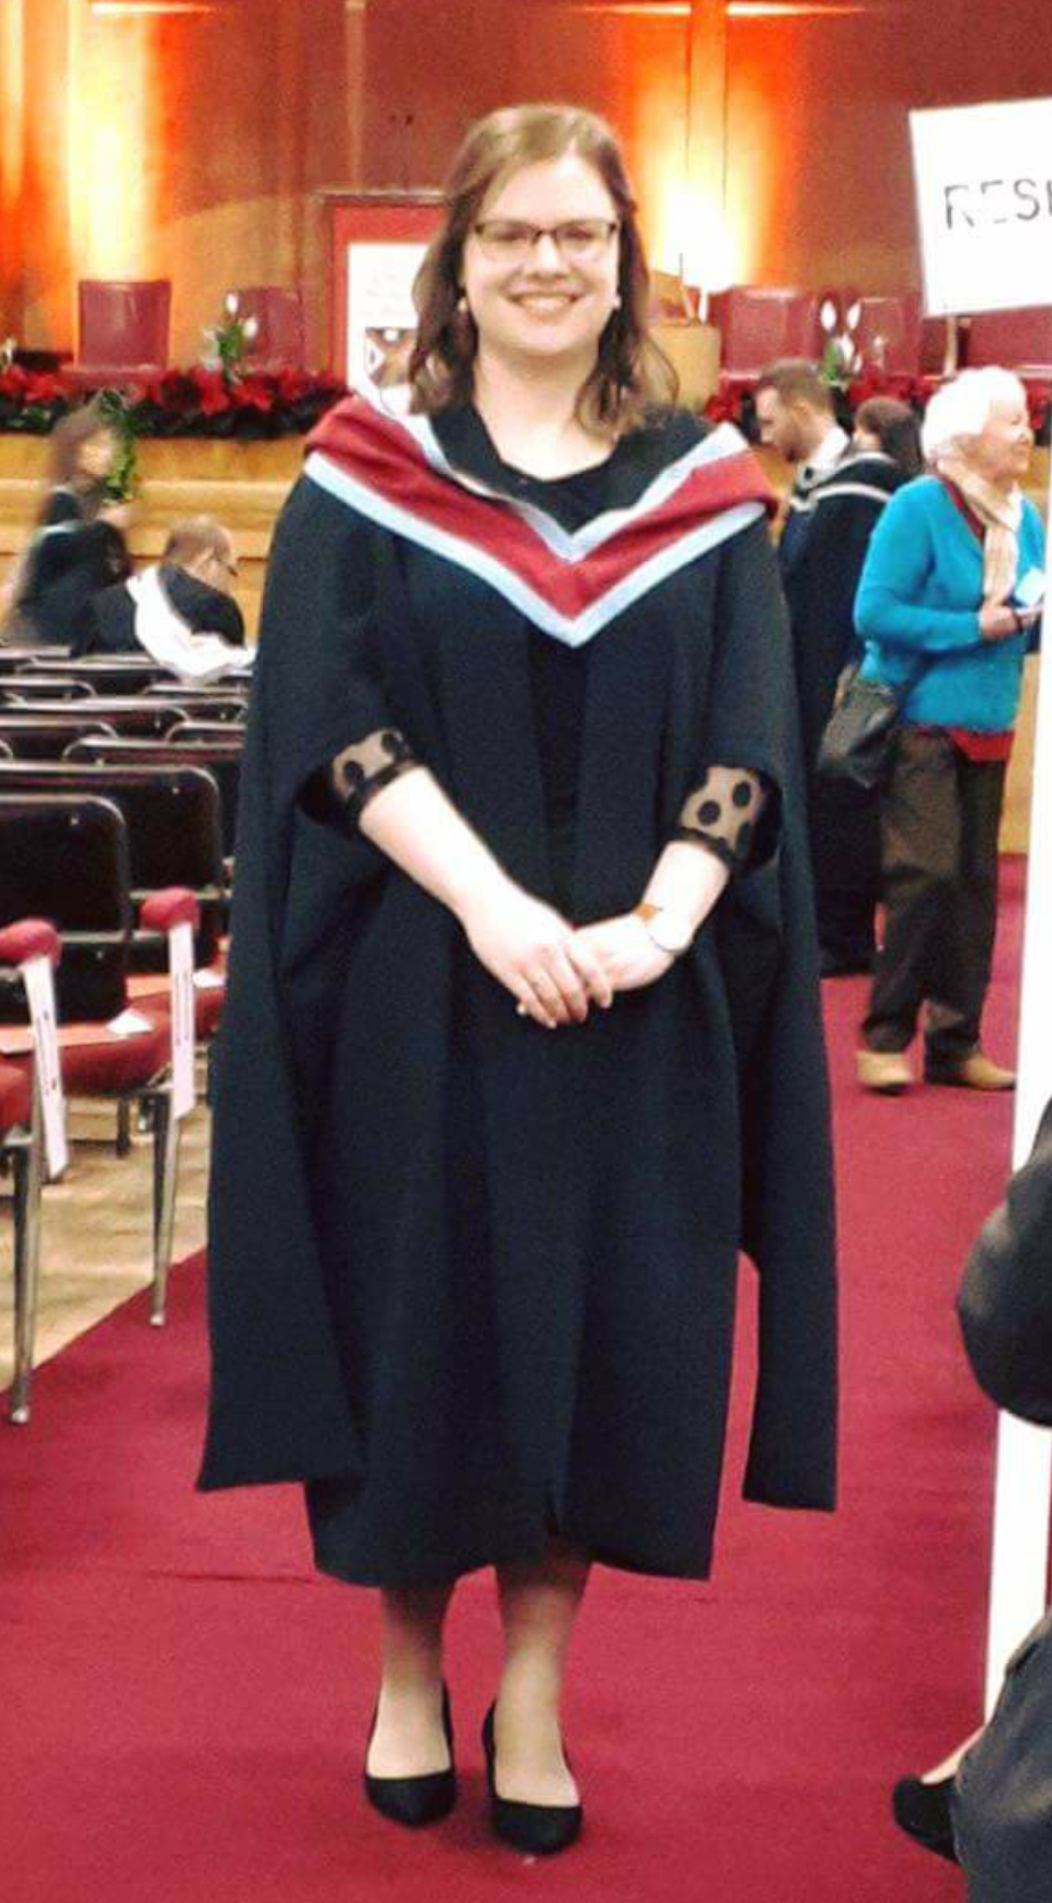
(69,856)
(122,332)
(281,340)
(759,323)
(888,334)
(1019,340)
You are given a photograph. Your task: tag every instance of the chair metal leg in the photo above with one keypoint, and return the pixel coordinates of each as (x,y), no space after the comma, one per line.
(166,1131)
(28,1182)
(123,1144)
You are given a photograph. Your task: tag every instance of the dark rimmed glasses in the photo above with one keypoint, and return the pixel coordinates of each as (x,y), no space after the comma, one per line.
(577,240)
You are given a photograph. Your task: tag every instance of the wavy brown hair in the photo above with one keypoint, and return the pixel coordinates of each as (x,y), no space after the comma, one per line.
(67,439)
(632,376)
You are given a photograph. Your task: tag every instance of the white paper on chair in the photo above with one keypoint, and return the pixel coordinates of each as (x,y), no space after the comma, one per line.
(129,1024)
(40,991)
(181,970)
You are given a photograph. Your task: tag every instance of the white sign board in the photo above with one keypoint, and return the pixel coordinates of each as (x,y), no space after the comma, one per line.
(983,177)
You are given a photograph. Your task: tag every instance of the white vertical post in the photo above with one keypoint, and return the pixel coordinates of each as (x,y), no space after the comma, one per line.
(1023,1498)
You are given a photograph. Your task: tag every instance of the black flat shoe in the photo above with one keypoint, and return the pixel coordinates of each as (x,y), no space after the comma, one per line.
(537,1830)
(415,1800)
(923,1812)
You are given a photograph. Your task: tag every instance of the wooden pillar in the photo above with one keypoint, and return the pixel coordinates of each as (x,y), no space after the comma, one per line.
(45,313)
(12,164)
(706,161)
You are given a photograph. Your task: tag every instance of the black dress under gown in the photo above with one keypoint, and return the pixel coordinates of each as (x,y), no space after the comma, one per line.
(527,1243)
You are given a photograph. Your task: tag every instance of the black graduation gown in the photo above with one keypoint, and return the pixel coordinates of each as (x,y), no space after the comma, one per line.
(822,555)
(109,624)
(70,561)
(473,1279)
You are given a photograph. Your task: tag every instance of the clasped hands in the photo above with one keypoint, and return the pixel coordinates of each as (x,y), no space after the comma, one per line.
(556,972)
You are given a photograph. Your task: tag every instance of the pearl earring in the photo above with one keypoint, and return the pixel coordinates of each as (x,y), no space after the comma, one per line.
(462,302)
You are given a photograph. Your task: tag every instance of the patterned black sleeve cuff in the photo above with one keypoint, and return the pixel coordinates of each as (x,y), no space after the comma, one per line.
(723,812)
(363,769)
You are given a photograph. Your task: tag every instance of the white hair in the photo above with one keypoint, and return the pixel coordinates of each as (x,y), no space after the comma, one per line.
(961,409)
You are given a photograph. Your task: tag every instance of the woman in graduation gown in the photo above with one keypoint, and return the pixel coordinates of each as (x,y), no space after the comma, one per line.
(522,1040)
(79,546)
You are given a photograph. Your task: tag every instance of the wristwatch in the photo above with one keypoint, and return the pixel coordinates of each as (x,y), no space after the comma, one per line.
(670,931)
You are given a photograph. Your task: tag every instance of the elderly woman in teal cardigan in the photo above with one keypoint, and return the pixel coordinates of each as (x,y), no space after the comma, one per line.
(949,585)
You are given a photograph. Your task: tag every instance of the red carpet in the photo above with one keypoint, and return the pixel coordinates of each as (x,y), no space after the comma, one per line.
(184,1705)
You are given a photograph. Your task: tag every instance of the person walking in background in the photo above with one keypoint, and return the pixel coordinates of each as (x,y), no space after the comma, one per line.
(522,1038)
(832,512)
(78,547)
(944,607)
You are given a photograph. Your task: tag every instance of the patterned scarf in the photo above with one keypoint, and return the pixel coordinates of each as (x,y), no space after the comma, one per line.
(1001,514)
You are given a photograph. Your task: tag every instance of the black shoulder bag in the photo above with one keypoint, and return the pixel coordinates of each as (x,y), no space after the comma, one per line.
(856,743)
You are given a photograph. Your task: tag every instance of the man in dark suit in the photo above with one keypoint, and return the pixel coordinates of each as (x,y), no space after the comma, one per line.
(837,498)
(195,577)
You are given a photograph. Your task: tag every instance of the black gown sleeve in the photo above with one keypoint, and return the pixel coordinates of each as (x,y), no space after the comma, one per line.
(722,814)
(318,683)
(766,936)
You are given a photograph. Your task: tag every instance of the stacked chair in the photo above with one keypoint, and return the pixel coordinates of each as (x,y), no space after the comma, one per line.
(118,802)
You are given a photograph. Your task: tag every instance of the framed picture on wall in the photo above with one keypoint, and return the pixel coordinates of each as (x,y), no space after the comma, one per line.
(378,240)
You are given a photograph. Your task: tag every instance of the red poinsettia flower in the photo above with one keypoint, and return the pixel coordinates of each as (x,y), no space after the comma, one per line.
(212,393)
(255,393)
(43,387)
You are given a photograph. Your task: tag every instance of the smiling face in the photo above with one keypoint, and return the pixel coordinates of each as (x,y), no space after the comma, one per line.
(544,305)
(1002,452)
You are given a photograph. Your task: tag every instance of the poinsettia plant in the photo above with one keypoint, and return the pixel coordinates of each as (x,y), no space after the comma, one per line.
(198,402)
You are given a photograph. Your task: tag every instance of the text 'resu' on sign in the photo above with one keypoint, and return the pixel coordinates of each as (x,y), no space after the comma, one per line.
(983,177)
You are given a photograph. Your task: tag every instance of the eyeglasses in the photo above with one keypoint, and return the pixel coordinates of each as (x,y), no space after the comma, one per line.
(510,240)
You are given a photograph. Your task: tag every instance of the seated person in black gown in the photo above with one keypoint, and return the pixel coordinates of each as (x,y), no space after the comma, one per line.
(78,547)
(180,611)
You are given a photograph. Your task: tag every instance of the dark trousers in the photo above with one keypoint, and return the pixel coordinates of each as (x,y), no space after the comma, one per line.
(939,819)
(845,856)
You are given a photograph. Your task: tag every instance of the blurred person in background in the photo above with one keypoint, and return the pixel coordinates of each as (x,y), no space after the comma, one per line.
(78,547)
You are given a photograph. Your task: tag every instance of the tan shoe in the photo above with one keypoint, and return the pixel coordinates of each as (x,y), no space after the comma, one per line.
(886,1071)
(976,1072)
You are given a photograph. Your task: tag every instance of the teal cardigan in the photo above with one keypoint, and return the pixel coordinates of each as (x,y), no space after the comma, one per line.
(920,593)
